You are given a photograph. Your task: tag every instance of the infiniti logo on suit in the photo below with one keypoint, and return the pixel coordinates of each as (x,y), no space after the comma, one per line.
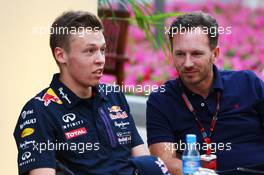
(70,121)
(68,117)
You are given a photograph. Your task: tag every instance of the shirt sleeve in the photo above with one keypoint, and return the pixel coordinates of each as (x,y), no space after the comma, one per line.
(259,87)
(257,91)
(33,135)
(158,128)
(136,138)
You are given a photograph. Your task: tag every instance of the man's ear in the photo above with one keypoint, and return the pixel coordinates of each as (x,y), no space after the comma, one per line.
(216,52)
(60,55)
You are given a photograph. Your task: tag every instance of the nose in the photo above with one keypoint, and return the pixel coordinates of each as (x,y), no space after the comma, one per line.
(188,61)
(100,59)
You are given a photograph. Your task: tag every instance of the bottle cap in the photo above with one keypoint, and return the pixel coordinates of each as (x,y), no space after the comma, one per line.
(190,138)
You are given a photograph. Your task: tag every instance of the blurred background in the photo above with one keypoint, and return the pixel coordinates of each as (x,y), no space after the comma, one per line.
(241,49)
(27,64)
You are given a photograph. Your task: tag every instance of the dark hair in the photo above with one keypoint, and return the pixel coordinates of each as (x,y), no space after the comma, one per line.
(193,20)
(71,20)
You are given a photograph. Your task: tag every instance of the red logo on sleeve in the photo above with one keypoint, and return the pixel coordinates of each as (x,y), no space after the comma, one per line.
(75,133)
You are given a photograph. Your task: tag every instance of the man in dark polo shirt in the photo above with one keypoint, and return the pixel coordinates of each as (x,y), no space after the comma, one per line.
(224,108)
(76,123)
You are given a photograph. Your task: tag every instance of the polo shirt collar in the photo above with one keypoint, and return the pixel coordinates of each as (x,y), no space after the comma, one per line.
(218,82)
(67,96)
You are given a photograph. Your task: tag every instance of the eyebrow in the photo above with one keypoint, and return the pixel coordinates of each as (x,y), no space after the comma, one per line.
(95,45)
(196,50)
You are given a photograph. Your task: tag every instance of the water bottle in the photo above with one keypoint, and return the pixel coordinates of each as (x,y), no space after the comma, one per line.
(191,156)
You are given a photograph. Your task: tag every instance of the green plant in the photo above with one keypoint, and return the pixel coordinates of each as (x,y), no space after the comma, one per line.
(144,18)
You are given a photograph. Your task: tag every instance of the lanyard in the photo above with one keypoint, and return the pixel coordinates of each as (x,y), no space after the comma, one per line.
(206,138)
